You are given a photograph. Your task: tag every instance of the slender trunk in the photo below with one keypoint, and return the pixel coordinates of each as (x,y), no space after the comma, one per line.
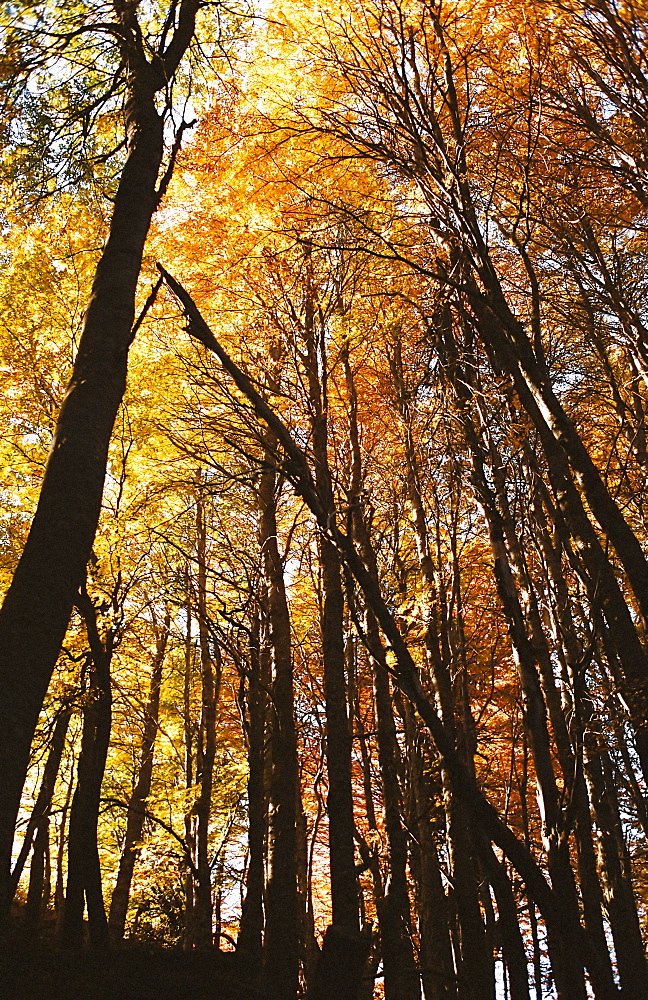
(190,840)
(142,789)
(340,966)
(59,885)
(619,897)
(508,925)
(40,812)
(401,976)
(249,942)
(435,947)
(309,948)
(281,944)
(210,676)
(84,872)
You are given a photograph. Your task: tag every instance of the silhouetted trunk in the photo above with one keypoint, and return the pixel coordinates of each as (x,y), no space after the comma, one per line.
(188,732)
(142,789)
(341,962)
(281,943)
(84,871)
(38,604)
(508,926)
(59,883)
(619,898)
(401,976)
(250,936)
(210,677)
(42,805)
(432,909)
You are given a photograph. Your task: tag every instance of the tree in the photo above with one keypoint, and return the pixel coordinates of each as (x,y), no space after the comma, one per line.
(37,607)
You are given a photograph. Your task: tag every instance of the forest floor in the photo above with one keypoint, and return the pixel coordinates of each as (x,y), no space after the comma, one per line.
(43,972)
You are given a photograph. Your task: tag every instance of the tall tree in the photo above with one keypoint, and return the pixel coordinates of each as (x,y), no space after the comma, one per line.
(38,605)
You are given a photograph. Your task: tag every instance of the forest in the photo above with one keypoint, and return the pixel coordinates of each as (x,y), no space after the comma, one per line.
(323,499)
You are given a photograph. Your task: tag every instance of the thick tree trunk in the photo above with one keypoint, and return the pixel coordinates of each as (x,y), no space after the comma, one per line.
(84,872)
(141,791)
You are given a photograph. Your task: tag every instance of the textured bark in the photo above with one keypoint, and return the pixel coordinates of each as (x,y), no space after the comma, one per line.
(142,789)
(38,605)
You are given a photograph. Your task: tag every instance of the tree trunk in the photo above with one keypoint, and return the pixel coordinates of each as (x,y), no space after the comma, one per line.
(84,872)
(210,677)
(341,962)
(249,942)
(137,802)
(281,944)
(435,948)
(401,976)
(188,728)
(40,812)
(619,898)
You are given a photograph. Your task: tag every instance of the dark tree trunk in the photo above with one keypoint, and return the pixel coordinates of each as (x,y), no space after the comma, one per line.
(249,942)
(401,976)
(210,677)
(84,872)
(341,961)
(137,802)
(281,944)
(40,812)
(38,605)
(619,898)
(432,909)
(188,728)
